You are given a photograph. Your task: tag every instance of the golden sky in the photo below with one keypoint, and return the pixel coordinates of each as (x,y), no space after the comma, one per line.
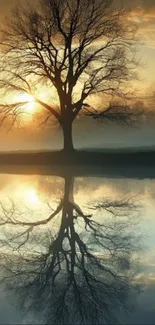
(143,13)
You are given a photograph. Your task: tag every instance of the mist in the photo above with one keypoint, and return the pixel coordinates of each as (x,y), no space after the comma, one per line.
(89,135)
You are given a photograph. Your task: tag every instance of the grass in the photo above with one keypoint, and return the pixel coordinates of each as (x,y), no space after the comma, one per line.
(107,158)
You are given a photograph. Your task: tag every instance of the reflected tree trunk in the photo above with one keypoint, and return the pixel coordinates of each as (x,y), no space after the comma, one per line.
(84,273)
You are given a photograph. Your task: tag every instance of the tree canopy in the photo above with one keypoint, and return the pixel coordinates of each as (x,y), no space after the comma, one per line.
(76,48)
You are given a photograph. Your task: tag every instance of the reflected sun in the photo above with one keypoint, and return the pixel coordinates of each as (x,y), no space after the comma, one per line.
(31,196)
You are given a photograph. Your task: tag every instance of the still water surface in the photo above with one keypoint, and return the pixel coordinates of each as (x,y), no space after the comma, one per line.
(32,211)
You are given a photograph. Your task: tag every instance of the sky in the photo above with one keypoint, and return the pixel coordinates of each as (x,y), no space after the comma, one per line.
(143,14)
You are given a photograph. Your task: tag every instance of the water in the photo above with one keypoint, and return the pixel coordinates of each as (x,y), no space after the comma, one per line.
(111,218)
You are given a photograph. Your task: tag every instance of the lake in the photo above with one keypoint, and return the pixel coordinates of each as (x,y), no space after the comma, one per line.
(95,233)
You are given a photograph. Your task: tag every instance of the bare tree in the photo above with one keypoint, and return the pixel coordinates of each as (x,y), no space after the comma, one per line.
(76,48)
(80,274)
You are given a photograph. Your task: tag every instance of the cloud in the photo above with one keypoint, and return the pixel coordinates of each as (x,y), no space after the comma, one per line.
(147,5)
(145,20)
(142,12)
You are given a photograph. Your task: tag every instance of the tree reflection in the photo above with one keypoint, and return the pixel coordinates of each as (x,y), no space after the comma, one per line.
(81,273)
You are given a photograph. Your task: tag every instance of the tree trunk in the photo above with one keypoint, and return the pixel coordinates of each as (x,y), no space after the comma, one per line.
(67,137)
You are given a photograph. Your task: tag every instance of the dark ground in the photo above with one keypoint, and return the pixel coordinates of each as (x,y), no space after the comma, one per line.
(105,158)
(131,163)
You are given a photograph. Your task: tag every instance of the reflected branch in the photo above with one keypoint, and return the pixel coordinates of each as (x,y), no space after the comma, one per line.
(83,272)
(9,219)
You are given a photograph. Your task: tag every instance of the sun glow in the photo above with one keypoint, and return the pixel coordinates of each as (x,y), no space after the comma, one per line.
(31,196)
(30,105)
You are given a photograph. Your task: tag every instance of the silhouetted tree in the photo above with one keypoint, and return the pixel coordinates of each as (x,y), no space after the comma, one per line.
(76,48)
(80,273)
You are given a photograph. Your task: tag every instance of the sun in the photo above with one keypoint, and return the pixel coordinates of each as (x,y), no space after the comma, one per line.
(30,106)
(31,196)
